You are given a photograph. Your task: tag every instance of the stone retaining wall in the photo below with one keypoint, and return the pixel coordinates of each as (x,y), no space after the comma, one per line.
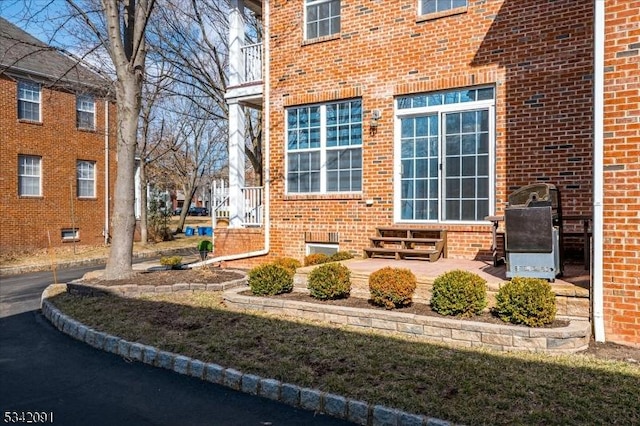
(85,289)
(572,338)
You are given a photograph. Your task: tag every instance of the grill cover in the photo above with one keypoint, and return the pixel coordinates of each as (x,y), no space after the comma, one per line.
(529,230)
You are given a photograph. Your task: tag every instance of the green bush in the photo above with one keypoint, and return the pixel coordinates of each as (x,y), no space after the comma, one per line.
(315,259)
(340,255)
(527,301)
(205,245)
(459,293)
(270,279)
(330,281)
(171,261)
(289,263)
(392,287)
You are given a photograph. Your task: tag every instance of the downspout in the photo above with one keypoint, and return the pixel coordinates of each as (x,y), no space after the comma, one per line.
(266,152)
(106,172)
(597,287)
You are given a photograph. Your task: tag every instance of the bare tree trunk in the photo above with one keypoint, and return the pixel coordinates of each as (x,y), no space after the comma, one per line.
(144,223)
(126,24)
(119,264)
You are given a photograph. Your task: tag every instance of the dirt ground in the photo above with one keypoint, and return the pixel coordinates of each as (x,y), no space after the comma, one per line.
(610,351)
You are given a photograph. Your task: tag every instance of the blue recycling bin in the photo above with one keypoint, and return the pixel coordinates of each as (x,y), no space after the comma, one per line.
(188,231)
(208,231)
(201,231)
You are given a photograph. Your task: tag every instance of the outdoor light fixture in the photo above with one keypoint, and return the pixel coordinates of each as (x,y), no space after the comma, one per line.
(373,124)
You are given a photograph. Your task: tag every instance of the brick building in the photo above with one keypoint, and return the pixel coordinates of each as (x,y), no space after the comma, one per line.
(58,146)
(430,113)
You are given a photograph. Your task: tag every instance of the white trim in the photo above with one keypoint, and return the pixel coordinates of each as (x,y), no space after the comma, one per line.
(441,110)
(597,286)
(321,245)
(39,175)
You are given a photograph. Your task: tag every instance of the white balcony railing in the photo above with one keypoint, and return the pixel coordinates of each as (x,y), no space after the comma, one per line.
(252,205)
(253,199)
(252,62)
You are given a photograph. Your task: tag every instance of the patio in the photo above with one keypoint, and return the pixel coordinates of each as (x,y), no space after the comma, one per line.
(572,289)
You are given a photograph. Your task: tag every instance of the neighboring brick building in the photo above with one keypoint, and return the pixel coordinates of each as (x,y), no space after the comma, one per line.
(58,146)
(431,113)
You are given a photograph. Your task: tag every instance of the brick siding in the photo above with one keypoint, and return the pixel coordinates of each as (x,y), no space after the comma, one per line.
(621,272)
(538,54)
(28,221)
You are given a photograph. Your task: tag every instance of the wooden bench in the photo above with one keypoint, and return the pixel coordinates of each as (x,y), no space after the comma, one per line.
(408,243)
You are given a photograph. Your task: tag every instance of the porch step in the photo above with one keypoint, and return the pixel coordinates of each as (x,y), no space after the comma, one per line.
(399,253)
(408,243)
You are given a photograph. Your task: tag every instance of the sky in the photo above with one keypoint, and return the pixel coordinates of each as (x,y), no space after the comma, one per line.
(39,18)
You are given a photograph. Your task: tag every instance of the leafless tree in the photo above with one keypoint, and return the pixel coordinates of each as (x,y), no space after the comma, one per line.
(193,37)
(120,26)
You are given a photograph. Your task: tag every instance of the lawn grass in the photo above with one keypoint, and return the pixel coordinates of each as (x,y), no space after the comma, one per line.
(460,385)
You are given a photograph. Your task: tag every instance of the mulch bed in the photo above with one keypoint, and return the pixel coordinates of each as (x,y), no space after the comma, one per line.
(414,308)
(170,277)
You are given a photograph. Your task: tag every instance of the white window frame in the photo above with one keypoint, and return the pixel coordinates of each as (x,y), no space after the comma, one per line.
(323,149)
(441,110)
(441,6)
(85,104)
(81,178)
(70,234)
(314,3)
(29,92)
(310,246)
(23,175)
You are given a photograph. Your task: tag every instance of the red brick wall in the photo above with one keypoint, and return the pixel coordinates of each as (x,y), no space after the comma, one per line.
(538,54)
(26,221)
(621,274)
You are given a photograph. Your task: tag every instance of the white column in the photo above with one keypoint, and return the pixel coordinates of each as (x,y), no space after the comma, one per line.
(236,41)
(236,116)
(236,165)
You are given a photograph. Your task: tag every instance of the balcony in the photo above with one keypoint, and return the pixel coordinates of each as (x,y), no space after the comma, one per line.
(249,88)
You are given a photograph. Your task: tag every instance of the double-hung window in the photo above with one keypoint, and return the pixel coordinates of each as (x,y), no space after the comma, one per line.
(324,148)
(29,176)
(435,6)
(28,100)
(86,174)
(322,18)
(444,156)
(85,112)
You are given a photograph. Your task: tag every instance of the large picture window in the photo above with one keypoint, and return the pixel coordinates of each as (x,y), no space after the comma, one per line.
(85,112)
(29,176)
(322,18)
(86,174)
(324,148)
(28,100)
(445,156)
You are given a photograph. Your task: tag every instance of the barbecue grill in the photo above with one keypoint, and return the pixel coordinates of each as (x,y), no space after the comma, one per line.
(533,232)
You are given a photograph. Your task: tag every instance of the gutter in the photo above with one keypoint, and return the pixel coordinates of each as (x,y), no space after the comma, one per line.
(265,141)
(597,286)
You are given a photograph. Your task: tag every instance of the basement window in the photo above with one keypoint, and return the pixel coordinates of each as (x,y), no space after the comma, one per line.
(327,249)
(70,234)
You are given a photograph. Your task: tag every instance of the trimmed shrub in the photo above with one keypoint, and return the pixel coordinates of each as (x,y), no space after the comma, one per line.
(315,259)
(340,255)
(171,261)
(392,287)
(330,281)
(460,293)
(270,279)
(528,301)
(288,262)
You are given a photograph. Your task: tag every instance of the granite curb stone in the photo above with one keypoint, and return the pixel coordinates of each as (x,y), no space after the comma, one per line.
(358,412)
